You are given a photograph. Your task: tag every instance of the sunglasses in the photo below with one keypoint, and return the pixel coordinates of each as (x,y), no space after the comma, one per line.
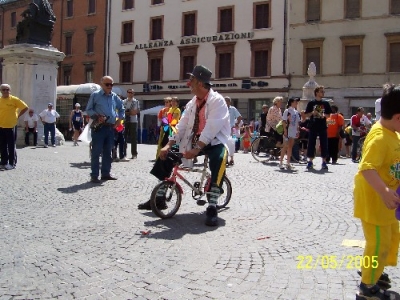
(5,90)
(108,84)
(130,92)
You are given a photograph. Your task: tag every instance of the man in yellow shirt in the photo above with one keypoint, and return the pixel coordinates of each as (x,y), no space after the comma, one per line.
(11,108)
(375,197)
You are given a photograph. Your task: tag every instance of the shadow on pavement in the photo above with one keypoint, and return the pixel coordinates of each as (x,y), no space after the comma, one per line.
(83,165)
(179,225)
(79,187)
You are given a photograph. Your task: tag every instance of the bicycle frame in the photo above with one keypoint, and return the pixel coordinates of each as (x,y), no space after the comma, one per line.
(176,174)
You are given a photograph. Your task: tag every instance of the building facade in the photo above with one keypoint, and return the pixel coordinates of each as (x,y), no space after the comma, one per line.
(355,45)
(154,43)
(80,32)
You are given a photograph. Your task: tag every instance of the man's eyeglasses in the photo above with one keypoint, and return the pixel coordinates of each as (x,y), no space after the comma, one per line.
(130,92)
(191,78)
(322,92)
(108,84)
(5,90)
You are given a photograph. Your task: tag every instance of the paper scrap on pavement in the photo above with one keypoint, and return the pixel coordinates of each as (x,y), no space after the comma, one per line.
(353,243)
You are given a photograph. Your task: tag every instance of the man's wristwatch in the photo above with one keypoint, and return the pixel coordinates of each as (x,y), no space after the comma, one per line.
(197,147)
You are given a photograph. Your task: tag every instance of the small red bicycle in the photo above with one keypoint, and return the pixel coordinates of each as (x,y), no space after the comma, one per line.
(168,205)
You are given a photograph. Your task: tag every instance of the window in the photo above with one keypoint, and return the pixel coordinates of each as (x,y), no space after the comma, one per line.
(312,49)
(261,16)
(155,64)
(90,43)
(68,45)
(260,57)
(352,9)
(352,54)
(225,16)
(393,50)
(89,72)
(188,55)
(128,4)
(126,67)
(70,8)
(67,75)
(13,19)
(224,64)
(127,32)
(91,6)
(154,2)
(189,23)
(395,7)
(313,10)
(156,28)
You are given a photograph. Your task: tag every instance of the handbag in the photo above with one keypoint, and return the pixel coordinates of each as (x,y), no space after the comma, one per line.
(279,127)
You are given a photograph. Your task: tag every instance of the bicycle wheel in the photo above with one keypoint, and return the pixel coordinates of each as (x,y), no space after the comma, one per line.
(226,195)
(258,151)
(166,206)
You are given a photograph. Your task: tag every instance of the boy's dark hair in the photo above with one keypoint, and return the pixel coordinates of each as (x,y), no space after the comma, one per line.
(317,89)
(390,103)
(334,108)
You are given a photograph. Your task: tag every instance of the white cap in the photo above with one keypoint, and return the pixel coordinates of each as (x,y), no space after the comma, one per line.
(77,104)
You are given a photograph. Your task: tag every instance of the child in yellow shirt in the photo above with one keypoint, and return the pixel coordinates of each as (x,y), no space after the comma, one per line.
(375,197)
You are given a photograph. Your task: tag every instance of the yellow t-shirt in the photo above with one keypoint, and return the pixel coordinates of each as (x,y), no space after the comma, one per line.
(381,152)
(9,109)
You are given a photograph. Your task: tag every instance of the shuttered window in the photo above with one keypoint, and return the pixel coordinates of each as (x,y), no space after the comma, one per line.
(313,10)
(352,59)
(262,19)
(395,7)
(313,55)
(353,9)
(189,24)
(260,63)
(224,70)
(225,20)
(156,28)
(394,59)
(127,32)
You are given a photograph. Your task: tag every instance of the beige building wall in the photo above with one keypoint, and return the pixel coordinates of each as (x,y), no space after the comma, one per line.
(348,91)
(207,24)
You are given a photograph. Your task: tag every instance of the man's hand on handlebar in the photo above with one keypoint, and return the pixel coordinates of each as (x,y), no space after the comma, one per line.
(191,154)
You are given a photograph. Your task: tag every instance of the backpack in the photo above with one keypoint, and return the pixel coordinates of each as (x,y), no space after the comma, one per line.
(279,127)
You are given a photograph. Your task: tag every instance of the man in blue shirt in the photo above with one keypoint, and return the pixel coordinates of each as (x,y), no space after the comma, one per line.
(107,111)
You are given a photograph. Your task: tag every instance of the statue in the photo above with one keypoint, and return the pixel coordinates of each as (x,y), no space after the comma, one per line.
(37,25)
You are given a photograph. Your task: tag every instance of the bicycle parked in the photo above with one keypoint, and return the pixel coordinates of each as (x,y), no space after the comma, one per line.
(174,192)
(264,149)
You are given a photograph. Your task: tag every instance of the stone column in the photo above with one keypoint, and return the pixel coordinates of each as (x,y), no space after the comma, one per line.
(31,71)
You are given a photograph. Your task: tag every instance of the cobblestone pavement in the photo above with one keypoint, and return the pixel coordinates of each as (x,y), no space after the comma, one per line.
(62,237)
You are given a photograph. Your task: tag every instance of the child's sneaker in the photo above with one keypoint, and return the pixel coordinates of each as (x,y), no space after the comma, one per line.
(383,281)
(309,165)
(373,292)
(324,166)
(281,166)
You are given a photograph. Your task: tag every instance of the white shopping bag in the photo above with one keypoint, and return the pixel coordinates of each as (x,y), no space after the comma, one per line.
(86,135)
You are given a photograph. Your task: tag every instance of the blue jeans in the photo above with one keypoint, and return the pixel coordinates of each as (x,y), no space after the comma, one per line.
(312,141)
(102,143)
(355,138)
(52,129)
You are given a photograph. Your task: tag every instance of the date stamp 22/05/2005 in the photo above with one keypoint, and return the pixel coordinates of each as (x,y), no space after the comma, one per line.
(309,262)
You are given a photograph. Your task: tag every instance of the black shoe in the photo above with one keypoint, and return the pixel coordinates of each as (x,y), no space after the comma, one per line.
(160,200)
(108,177)
(201,202)
(94,180)
(145,205)
(211,216)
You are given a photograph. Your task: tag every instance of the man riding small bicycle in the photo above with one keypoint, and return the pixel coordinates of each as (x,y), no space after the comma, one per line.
(204,129)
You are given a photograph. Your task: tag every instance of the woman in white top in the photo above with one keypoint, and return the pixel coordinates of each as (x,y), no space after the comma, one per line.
(273,117)
(291,120)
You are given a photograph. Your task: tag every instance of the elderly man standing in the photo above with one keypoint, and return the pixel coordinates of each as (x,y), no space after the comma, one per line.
(49,119)
(107,111)
(11,108)
(31,120)
(204,128)
(132,109)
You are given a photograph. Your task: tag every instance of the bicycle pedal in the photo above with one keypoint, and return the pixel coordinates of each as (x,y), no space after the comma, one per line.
(201,202)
